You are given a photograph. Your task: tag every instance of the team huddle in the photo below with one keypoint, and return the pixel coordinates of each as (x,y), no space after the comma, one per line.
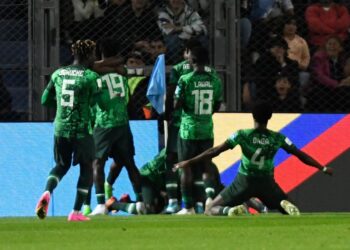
(92,124)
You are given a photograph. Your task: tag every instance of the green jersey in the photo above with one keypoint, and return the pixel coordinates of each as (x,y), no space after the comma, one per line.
(258,150)
(177,71)
(73,88)
(112,101)
(155,170)
(200,92)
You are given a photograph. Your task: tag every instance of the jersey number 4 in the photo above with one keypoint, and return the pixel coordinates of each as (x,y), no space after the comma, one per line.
(258,159)
(203,100)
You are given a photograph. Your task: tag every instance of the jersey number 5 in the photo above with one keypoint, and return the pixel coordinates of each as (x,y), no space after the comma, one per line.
(67,92)
(203,101)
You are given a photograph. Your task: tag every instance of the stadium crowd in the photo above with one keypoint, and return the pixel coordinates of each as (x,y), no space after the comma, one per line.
(279,39)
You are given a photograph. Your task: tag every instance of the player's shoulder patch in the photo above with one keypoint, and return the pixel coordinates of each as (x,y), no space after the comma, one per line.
(186,66)
(288,141)
(208,69)
(234,135)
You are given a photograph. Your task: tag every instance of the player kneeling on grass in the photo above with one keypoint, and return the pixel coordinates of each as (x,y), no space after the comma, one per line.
(72,90)
(255,177)
(153,188)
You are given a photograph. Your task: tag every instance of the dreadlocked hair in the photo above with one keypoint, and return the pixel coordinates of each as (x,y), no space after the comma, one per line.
(83,48)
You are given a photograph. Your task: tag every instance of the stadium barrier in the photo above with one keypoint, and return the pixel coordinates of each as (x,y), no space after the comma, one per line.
(26,157)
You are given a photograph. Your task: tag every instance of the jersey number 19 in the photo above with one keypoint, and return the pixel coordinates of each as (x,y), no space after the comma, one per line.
(115,84)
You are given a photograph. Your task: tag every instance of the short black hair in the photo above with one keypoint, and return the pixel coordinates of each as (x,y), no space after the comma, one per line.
(277,42)
(137,54)
(262,111)
(109,47)
(83,48)
(200,56)
(192,43)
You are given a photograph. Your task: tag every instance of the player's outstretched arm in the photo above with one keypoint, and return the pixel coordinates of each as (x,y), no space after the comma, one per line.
(110,65)
(49,96)
(206,155)
(307,159)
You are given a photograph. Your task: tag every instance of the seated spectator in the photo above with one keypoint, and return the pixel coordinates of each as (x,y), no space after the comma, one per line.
(202,7)
(87,19)
(330,83)
(326,18)
(298,48)
(178,23)
(265,16)
(113,7)
(271,63)
(280,8)
(286,97)
(133,24)
(86,9)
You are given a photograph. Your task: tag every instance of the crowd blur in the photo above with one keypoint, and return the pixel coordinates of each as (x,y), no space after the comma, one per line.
(293,52)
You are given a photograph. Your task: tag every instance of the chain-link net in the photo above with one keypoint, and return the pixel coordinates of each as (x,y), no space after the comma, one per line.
(294,54)
(316,81)
(143,28)
(14,60)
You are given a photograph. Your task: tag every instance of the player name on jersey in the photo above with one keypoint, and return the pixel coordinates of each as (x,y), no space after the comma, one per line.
(74,72)
(205,84)
(261,141)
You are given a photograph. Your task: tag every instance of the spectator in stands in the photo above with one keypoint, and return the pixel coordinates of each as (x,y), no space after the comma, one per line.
(270,64)
(286,96)
(88,17)
(280,8)
(298,48)
(139,107)
(113,7)
(86,9)
(329,80)
(202,7)
(244,22)
(266,16)
(178,23)
(133,24)
(326,18)
(157,47)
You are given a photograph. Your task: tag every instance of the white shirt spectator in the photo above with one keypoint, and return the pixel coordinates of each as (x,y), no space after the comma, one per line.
(279,7)
(84,10)
(189,20)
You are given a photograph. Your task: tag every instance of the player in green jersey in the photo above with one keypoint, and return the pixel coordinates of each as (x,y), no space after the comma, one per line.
(255,177)
(154,191)
(112,134)
(173,118)
(198,95)
(72,90)
(153,188)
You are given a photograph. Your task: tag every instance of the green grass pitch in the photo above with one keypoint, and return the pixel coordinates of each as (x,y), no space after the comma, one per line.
(272,231)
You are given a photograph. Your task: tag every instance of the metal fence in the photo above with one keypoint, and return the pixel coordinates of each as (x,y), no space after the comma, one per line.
(14,84)
(248,47)
(295,55)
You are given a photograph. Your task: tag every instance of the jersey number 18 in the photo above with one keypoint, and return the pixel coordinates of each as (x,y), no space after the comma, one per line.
(203,101)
